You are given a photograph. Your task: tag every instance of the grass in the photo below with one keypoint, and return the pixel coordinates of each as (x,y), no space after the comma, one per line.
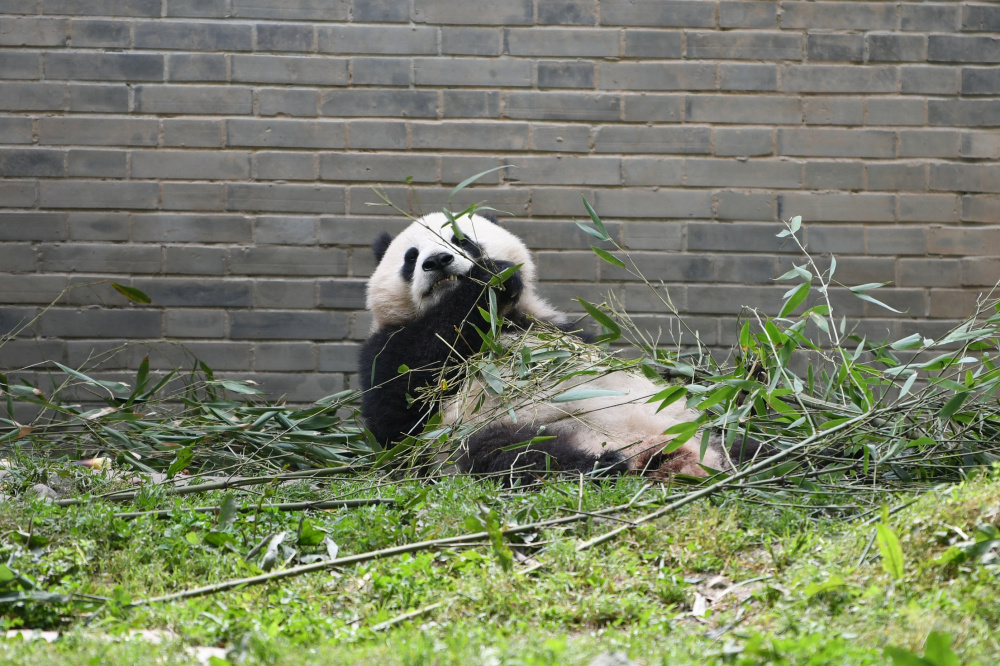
(814,600)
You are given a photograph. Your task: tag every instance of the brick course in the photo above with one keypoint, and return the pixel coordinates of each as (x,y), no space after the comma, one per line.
(220,155)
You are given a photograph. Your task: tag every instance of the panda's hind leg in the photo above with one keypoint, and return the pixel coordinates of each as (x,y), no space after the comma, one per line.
(503,451)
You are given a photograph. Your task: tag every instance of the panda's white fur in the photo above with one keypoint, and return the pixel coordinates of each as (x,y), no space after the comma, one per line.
(416,302)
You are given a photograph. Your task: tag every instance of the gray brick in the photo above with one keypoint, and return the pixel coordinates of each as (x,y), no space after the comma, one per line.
(560,235)
(103,323)
(286,166)
(836,143)
(298,294)
(376,134)
(981,145)
(290,70)
(275,197)
(965,177)
(666,267)
(963,48)
(298,388)
(15,130)
(102,7)
(635,139)
(380,72)
(895,111)
(456,168)
(982,18)
(929,208)
(98,131)
(561,138)
(742,109)
(833,16)
(834,111)
(192,196)
(822,175)
(280,260)
(376,103)
(287,325)
(194,260)
(19,6)
(470,136)
(980,209)
(471,104)
(301,102)
(967,112)
(98,98)
(837,206)
(98,33)
(33,96)
(17,193)
(192,133)
(389,39)
(652,236)
(970,241)
(423,200)
(929,17)
(567,12)
(20,65)
(581,266)
(451,12)
(930,80)
(98,226)
(835,46)
(559,170)
(651,108)
(338,357)
(897,48)
(104,66)
(287,356)
(748,15)
(657,76)
(980,272)
(197,67)
(565,74)
(746,206)
(380,10)
(285,230)
(743,142)
(179,323)
(742,173)
(635,202)
(481,72)
(24,353)
(32,227)
(894,176)
(197,8)
(356,230)
(735,237)
(32,31)
(293,10)
(186,292)
(91,194)
(837,78)
(20,162)
(562,106)
(96,163)
(192,36)
(897,240)
(388,167)
(275,133)
(101,259)
(744,45)
(190,164)
(658,13)
(173,228)
(653,44)
(929,143)
(653,171)
(749,77)
(193,100)
(17,258)
(579,43)
(470,41)
(985,81)
(285,37)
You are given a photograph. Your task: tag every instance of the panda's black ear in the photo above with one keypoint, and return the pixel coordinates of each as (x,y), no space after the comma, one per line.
(380,245)
(489,215)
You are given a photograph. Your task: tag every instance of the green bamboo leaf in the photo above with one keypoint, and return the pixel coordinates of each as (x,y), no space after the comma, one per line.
(892,553)
(584,394)
(604,320)
(593,232)
(796,223)
(596,220)
(131,293)
(608,257)
(866,297)
(908,384)
(795,298)
(116,387)
(471,179)
(909,342)
(180,462)
(236,387)
(868,286)
(952,405)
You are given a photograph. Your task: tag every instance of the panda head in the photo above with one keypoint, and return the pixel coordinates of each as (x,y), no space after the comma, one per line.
(418,268)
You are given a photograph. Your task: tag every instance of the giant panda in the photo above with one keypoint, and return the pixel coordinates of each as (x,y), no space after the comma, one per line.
(424,297)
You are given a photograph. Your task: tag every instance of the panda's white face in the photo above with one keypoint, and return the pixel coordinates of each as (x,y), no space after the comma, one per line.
(420,265)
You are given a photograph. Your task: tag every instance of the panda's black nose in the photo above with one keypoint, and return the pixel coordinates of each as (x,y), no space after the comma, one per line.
(438,261)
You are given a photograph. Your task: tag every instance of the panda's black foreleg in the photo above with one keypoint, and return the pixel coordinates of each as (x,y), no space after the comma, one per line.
(504,451)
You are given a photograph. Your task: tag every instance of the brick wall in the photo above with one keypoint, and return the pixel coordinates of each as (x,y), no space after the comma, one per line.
(218,154)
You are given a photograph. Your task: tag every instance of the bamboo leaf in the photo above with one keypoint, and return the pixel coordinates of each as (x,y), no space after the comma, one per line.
(795,298)
(608,257)
(866,297)
(952,405)
(132,294)
(596,220)
(604,320)
(584,394)
(892,552)
(471,179)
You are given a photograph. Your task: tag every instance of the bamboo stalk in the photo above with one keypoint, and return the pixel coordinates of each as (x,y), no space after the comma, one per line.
(283,506)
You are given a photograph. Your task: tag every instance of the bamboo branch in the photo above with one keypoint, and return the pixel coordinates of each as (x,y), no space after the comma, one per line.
(284,506)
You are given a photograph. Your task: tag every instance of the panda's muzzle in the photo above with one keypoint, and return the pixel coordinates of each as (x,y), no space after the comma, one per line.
(439,263)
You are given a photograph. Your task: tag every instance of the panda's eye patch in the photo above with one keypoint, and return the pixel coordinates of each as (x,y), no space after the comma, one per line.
(411,255)
(409,262)
(469,247)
